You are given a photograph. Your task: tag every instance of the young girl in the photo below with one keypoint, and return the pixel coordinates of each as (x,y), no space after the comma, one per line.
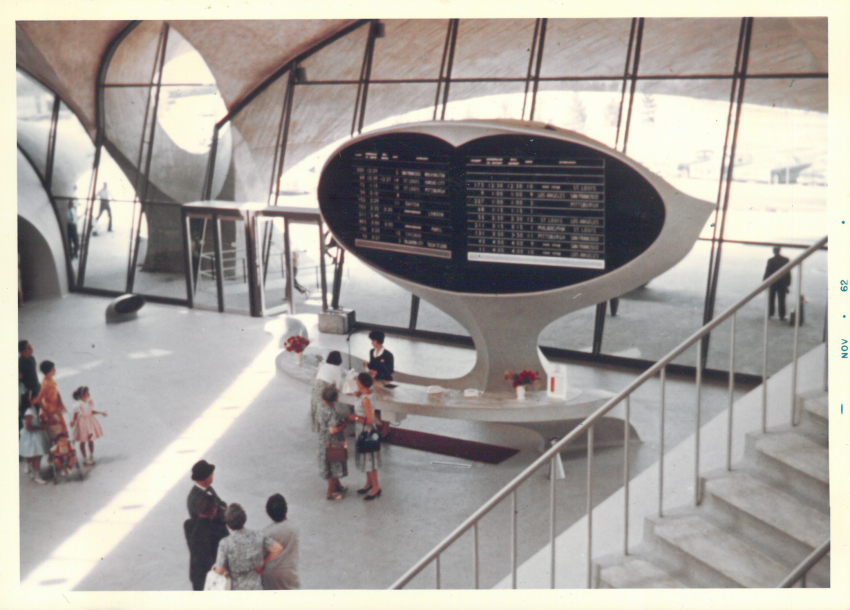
(33,443)
(86,427)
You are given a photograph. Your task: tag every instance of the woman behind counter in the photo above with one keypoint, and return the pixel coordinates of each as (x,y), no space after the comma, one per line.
(381,365)
(330,373)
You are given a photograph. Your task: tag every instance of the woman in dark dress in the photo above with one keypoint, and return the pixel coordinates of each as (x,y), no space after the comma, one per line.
(203,539)
(381,365)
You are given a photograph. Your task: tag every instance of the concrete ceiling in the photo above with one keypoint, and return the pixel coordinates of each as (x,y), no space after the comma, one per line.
(66,56)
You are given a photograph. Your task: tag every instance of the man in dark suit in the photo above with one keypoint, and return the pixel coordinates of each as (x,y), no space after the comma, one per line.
(202,475)
(27,379)
(779,288)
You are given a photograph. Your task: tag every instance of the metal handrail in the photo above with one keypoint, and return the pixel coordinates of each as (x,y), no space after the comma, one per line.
(799,573)
(586,426)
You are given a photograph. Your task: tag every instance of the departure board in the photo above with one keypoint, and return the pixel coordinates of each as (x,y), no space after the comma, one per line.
(403,203)
(482,211)
(536,211)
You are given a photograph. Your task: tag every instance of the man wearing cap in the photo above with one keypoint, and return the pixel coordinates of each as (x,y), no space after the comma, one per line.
(202,475)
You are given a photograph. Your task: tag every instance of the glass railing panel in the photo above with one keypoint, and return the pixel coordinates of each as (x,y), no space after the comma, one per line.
(653,319)
(742,267)
(161,266)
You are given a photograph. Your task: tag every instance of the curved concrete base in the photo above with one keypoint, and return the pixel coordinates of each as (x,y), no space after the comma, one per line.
(549,417)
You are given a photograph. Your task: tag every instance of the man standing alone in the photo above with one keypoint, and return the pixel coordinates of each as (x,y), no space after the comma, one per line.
(779,288)
(103,195)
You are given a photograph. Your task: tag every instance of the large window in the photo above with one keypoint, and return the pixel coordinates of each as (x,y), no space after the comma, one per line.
(754,98)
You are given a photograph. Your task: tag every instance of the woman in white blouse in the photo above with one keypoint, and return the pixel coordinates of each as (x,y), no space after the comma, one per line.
(330,373)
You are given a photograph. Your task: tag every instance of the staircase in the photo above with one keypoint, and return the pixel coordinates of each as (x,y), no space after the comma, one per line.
(754,524)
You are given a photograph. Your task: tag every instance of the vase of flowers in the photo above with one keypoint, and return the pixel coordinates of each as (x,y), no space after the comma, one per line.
(297,344)
(520,381)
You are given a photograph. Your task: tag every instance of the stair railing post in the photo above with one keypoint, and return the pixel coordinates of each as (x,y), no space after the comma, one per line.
(513,539)
(589,505)
(731,393)
(552,479)
(798,312)
(764,366)
(626,468)
(661,446)
(698,418)
(475,552)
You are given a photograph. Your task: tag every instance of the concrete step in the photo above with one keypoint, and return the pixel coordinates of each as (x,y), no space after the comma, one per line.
(776,524)
(815,404)
(702,555)
(793,463)
(635,573)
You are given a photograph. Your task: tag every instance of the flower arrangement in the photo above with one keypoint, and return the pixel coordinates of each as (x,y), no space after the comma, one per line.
(523,378)
(296,343)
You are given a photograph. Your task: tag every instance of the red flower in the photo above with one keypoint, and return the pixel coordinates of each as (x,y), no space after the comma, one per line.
(296,343)
(524,377)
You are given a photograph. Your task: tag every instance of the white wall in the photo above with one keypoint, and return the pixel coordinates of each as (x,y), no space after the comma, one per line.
(42,250)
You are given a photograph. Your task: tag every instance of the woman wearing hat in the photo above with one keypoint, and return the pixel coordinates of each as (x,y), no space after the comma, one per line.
(202,475)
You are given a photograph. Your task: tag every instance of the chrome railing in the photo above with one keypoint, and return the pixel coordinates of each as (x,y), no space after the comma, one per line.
(586,427)
(801,571)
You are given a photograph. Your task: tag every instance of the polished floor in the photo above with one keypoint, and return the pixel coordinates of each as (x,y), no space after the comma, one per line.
(181,385)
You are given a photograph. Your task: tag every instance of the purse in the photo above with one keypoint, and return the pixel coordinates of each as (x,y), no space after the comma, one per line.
(336,451)
(217,582)
(369,441)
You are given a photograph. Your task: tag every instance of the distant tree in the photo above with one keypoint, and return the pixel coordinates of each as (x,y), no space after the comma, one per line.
(577,114)
(612,112)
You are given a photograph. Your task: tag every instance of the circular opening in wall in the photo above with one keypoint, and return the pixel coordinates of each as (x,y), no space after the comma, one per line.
(190,104)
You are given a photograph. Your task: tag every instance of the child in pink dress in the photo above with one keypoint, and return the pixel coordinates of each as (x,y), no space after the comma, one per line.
(86,427)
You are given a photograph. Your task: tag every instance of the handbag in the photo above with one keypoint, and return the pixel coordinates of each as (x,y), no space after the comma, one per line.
(369,441)
(217,582)
(336,451)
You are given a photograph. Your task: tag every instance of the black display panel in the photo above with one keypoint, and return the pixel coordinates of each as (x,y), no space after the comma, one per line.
(535,211)
(509,213)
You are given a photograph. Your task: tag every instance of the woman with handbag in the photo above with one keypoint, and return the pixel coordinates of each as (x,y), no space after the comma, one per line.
(333,457)
(367,461)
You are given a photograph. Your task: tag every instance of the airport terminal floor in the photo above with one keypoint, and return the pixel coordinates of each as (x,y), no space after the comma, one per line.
(181,385)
